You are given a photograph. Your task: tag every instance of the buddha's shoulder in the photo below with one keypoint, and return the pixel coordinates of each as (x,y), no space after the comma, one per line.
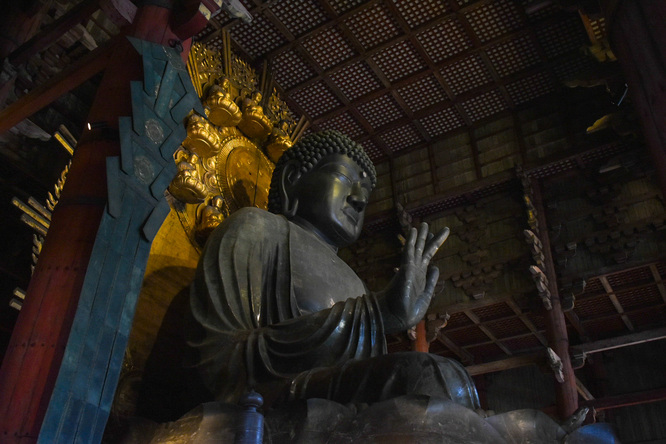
(251,219)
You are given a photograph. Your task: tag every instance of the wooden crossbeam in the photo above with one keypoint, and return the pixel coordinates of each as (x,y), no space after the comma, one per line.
(618,342)
(470,314)
(68,79)
(506,364)
(617,401)
(516,309)
(616,302)
(659,281)
(53,32)
(465,356)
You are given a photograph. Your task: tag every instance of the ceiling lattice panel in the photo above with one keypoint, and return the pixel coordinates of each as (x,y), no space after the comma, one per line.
(444,40)
(422,93)
(361,66)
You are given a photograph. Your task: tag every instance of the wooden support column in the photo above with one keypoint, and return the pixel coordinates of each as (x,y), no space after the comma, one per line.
(556,328)
(33,359)
(420,344)
(638,38)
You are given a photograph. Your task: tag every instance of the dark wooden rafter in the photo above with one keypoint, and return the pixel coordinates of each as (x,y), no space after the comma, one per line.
(465,356)
(658,334)
(54,31)
(470,314)
(68,79)
(616,303)
(506,364)
(617,401)
(659,281)
(529,324)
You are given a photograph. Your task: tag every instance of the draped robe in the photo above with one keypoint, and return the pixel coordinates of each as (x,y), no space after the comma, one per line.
(253,326)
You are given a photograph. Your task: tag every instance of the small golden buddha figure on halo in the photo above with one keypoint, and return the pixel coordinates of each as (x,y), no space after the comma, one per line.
(202,138)
(187,186)
(255,124)
(223,111)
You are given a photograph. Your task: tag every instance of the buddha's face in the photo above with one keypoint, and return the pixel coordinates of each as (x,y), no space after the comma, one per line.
(332,198)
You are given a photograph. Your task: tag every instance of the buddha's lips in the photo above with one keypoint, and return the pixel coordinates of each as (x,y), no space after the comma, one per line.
(353,215)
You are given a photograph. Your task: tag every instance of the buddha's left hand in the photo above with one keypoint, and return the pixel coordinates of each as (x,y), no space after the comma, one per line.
(406,300)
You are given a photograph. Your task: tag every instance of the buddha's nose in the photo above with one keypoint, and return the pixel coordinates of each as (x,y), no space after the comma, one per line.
(357,199)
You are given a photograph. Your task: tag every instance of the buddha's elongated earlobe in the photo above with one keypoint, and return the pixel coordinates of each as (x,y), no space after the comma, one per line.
(288,179)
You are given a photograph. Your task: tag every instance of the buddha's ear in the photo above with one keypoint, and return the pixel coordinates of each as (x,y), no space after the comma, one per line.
(288,179)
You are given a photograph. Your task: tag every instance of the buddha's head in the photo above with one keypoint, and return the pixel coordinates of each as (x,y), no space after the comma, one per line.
(323,183)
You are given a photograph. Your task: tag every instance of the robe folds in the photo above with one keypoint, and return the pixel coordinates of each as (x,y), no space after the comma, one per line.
(247,330)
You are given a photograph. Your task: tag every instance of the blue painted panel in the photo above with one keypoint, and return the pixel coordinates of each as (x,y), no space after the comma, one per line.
(163,104)
(183,107)
(88,418)
(189,87)
(126,155)
(114,186)
(156,219)
(67,429)
(161,183)
(172,143)
(58,403)
(136,90)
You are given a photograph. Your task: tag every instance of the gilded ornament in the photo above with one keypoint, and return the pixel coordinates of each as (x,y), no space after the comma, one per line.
(223,109)
(210,216)
(254,124)
(279,142)
(202,138)
(187,186)
(244,174)
(222,166)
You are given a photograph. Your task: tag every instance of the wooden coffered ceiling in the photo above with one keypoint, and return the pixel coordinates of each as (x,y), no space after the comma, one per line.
(399,75)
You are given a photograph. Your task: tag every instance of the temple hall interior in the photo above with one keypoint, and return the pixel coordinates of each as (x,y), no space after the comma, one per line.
(534,129)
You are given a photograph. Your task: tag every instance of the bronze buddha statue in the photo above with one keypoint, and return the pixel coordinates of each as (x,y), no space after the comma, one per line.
(274,309)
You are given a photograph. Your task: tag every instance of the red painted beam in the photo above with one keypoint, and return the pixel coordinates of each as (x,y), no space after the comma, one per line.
(629,399)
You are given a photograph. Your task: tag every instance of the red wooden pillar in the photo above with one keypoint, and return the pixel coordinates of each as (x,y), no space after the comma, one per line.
(566,395)
(420,342)
(35,352)
(638,38)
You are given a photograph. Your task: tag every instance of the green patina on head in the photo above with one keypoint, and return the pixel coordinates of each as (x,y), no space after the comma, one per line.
(309,151)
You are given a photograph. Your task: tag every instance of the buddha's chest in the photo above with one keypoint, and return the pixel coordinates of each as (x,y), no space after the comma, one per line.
(319,277)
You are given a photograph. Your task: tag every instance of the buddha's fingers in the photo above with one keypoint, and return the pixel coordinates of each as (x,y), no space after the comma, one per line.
(435,243)
(420,243)
(408,251)
(422,302)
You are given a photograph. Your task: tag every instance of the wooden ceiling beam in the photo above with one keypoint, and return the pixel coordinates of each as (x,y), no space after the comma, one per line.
(52,33)
(465,356)
(659,281)
(617,401)
(487,332)
(529,324)
(658,334)
(616,302)
(506,364)
(68,79)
